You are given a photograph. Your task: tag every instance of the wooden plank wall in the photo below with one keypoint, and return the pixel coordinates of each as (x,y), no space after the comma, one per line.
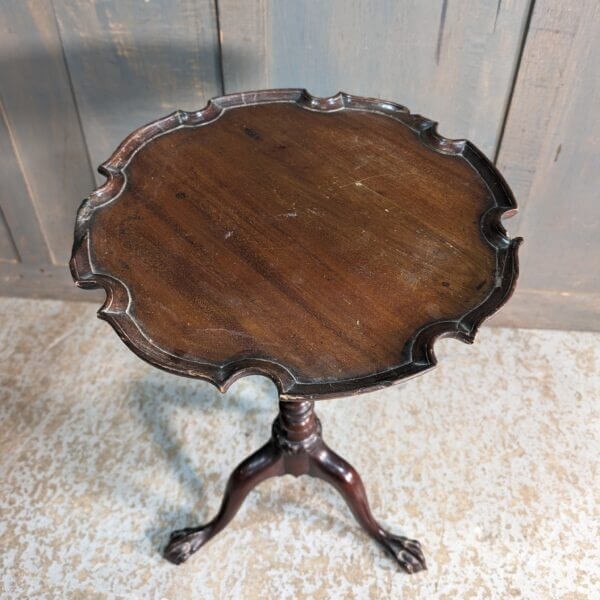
(451,61)
(517,77)
(132,62)
(550,155)
(75,78)
(43,151)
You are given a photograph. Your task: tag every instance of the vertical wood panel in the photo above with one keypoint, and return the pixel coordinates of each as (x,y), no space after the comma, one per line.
(45,130)
(550,154)
(8,252)
(24,233)
(131,62)
(245,46)
(451,61)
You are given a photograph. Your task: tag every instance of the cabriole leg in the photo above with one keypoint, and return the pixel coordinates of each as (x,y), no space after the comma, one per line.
(296,448)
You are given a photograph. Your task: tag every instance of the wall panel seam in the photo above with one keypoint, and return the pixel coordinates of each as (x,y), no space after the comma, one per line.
(73,96)
(12,241)
(513,83)
(220,46)
(15,147)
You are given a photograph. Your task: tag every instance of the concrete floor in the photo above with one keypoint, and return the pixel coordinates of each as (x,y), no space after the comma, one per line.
(491,460)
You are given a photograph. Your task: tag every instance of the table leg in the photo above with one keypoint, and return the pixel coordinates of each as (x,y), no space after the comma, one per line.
(264,463)
(296,448)
(327,465)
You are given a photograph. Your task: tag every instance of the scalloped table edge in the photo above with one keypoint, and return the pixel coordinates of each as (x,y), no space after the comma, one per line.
(418,351)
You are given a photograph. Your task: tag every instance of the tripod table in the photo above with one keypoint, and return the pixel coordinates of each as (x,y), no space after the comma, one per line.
(324,243)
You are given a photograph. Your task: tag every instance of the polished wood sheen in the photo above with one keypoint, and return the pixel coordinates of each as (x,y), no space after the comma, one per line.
(297,448)
(324,243)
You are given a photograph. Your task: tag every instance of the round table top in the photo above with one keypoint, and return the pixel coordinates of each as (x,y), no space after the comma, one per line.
(323,242)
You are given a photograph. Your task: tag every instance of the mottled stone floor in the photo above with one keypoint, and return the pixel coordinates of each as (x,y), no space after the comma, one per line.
(491,460)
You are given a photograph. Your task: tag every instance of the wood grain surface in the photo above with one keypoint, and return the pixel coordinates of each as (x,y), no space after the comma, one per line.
(323,242)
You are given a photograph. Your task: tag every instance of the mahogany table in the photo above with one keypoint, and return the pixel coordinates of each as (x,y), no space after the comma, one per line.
(322,242)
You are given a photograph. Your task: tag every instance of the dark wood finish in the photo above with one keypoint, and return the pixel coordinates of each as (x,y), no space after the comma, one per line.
(296,448)
(322,242)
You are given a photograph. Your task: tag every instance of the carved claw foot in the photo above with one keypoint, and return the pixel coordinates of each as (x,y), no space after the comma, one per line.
(407,552)
(296,448)
(183,543)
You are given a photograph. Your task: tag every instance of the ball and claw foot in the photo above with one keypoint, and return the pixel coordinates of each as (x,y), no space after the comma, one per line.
(296,448)
(407,552)
(182,544)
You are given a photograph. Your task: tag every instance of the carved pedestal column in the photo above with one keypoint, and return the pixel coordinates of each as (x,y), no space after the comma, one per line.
(296,448)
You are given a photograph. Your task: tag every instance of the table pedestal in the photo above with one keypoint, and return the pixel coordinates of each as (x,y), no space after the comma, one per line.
(296,448)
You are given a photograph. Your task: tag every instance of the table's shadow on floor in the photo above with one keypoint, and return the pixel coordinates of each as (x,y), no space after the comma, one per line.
(156,397)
